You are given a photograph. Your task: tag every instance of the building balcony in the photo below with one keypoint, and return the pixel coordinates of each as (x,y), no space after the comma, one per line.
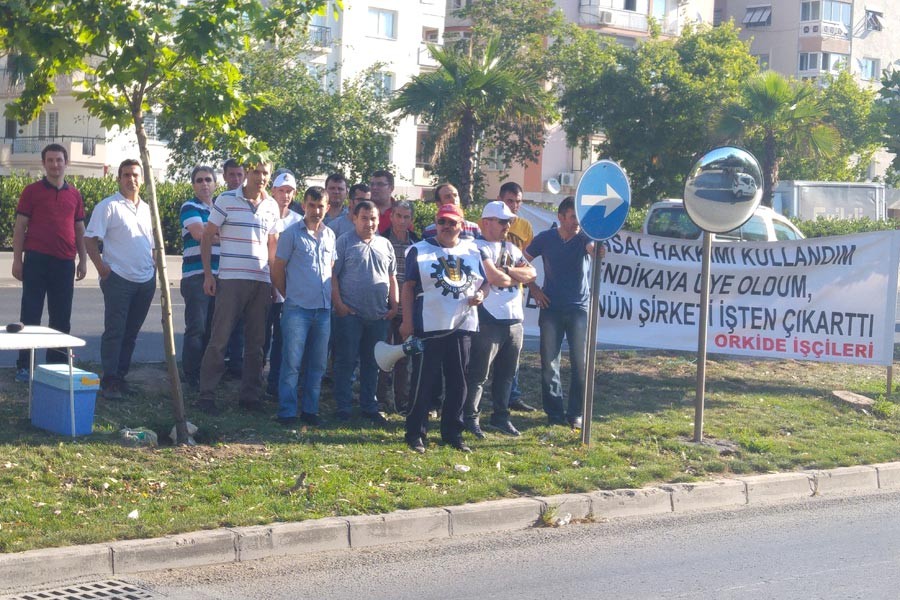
(12,88)
(824,29)
(425,58)
(24,153)
(598,16)
(320,36)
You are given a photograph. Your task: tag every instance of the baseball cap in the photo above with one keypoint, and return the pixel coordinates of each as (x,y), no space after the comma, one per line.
(497,210)
(451,210)
(285,179)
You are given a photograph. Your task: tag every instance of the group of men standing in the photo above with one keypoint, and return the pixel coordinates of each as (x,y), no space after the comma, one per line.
(298,280)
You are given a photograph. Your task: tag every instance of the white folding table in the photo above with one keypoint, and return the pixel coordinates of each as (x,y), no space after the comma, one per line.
(33,337)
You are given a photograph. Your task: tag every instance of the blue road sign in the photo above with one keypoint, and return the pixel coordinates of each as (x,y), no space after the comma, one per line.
(603,199)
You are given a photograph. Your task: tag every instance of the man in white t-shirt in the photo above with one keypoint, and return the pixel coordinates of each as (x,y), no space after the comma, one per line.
(500,333)
(245,220)
(284,189)
(126,270)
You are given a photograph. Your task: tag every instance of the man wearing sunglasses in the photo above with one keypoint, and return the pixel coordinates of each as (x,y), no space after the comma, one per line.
(198,307)
(500,333)
(444,283)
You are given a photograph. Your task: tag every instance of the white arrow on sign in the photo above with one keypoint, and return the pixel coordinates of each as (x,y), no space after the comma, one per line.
(611,201)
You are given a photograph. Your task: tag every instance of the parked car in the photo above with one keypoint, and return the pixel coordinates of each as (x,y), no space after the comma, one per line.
(669,218)
(743,185)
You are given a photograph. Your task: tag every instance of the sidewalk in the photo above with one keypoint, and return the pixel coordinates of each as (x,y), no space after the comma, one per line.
(41,568)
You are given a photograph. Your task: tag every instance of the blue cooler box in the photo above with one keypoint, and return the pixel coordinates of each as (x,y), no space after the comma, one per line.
(50,400)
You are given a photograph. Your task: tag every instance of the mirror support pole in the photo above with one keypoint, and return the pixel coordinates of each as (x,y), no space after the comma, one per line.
(701,338)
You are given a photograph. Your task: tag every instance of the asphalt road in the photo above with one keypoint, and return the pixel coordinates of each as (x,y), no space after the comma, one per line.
(87,323)
(821,548)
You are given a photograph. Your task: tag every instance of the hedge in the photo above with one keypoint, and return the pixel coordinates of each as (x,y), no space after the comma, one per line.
(171,195)
(94,189)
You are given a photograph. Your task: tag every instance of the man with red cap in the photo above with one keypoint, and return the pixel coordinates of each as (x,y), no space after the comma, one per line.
(444,280)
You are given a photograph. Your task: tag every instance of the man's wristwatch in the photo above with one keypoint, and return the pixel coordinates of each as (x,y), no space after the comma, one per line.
(506,269)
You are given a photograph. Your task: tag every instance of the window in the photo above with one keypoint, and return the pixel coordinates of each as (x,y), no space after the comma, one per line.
(457,4)
(873,20)
(47,125)
(837,11)
(430,35)
(319,73)
(833,62)
(631,5)
(384,84)
(809,61)
(12,129)
(762,61)
(869,69)
(150,126)
(758,16)
(384,23)
(810,11)
(491,160)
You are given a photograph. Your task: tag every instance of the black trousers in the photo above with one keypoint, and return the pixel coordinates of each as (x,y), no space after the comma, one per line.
(54,278)
(449,354)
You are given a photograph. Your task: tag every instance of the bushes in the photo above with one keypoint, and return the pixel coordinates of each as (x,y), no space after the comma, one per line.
(822,227)
(94,189)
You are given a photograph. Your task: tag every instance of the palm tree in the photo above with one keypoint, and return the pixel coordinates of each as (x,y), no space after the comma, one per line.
(781,116)
(468,92)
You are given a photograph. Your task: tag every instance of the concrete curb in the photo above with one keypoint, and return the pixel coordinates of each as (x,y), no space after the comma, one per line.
(36,568)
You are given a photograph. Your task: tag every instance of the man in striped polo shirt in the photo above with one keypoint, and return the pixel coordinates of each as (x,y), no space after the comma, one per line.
(198,307)
(245,220)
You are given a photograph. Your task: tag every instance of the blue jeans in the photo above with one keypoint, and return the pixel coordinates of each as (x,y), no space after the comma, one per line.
(198,311)
(355,339)
(554,324)
(305,333)
(125,306)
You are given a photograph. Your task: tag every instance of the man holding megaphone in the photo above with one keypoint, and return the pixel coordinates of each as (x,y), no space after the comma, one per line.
(444,283)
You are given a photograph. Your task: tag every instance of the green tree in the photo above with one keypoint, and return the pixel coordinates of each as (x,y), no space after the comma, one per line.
(776,116)
(307,129)
(851,110)
(649,106)
(888,109)
(468,95)
(130,57)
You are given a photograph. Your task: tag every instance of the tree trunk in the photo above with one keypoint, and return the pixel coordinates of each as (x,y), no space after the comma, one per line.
(165,297)
(467,159)
(770,170)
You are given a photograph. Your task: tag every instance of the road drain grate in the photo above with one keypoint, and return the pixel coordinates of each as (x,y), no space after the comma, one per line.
(106,590)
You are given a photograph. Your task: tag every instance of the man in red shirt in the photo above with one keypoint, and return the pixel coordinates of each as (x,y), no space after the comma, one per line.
(48,234)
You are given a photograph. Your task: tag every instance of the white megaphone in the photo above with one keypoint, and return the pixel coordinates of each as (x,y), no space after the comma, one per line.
(387,354)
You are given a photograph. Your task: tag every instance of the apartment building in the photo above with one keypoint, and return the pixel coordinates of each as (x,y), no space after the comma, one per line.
(809,39)
(391,33)
(628,22)
(93,149)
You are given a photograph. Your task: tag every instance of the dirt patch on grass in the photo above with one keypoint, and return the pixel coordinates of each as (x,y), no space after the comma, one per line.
(223,451)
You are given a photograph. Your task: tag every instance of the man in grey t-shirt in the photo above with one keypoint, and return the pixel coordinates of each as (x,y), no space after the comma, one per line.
(365,298)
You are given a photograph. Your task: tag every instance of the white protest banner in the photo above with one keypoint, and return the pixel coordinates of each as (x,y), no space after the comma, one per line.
(827,299)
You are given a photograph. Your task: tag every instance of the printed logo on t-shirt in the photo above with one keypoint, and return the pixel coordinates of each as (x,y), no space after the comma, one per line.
(452,275)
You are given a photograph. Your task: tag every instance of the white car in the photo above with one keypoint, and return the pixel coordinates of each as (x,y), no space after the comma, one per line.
(743,185)
(669,218)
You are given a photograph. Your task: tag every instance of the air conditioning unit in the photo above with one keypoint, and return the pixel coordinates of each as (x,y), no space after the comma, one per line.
(567,179)
(604,17)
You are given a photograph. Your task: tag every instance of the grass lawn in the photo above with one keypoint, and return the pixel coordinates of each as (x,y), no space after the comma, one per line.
(765,416)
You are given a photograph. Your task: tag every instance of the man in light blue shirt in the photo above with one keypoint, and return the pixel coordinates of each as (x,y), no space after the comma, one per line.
(301,273)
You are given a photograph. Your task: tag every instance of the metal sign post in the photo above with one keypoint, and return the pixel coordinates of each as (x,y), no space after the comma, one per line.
(602,201)
(722,190)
